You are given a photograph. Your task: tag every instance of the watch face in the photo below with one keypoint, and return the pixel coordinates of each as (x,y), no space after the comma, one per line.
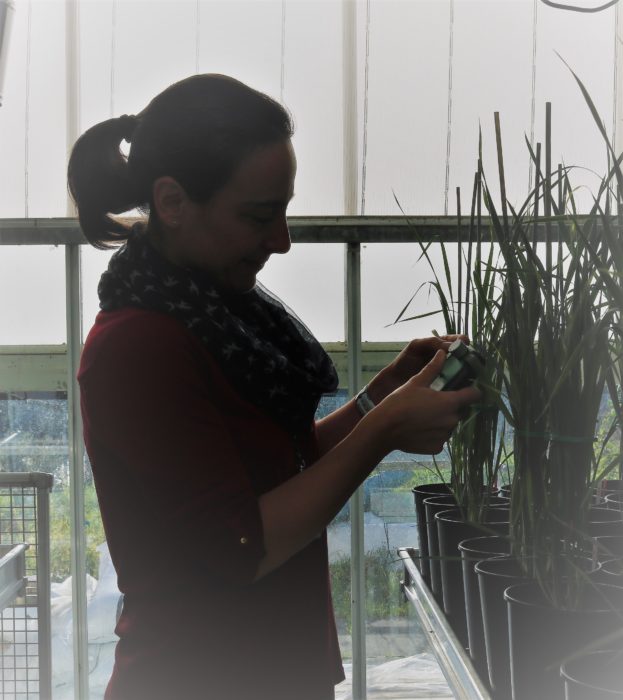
(363,402)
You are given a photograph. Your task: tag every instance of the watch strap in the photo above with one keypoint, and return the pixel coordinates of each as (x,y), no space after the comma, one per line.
(363,401)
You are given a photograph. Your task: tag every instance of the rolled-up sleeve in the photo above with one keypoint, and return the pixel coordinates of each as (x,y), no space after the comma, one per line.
(154,428)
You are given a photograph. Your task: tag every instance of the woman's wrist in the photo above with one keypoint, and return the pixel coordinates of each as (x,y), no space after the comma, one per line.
(379,431)
(380,387)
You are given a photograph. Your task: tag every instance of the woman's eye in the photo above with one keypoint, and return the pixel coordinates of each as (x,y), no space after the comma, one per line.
(262,219)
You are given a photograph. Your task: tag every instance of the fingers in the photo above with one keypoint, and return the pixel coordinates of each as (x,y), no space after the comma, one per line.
(457,336)
(424,419)
(467,396)
(428,346)
(428,373)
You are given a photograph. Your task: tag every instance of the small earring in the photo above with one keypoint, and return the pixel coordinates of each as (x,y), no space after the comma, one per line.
(174,222)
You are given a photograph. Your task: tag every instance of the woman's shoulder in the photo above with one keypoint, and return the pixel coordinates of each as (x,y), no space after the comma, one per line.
(132,321)
(133,335)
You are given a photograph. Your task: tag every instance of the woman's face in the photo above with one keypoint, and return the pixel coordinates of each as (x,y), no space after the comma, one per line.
(233,234)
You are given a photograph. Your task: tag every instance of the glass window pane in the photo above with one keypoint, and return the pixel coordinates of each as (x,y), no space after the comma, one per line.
(310,280)
(32,293)
(391,274)
(294,278)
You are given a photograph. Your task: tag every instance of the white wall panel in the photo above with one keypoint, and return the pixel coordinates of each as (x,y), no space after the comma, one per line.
(47,140)
(12,122)
(313,92)
(492,72)
(156,43)
(586,42)
(154,47)
(96,24)
(407,109)
(242,38)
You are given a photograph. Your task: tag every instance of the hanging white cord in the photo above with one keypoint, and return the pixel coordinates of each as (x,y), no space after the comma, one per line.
(349,106)
(364,154)
(282,81)
(197,34)
(113,51)
(72,72)
(449,128)
(616,115)
(27,111)
(531,175)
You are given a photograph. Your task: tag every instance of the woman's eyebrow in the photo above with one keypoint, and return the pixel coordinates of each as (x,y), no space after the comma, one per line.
(268,202)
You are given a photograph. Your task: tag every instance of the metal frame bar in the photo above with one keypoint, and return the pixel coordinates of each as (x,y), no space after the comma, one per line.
(12,573)
(352,299)
(44,588)
(453,659)
(303,229)
(76,470)
(353,334)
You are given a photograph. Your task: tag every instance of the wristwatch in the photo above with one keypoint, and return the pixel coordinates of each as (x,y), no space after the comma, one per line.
(363,402)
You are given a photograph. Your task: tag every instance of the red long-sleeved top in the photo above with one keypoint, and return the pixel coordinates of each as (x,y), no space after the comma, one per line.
(179,460)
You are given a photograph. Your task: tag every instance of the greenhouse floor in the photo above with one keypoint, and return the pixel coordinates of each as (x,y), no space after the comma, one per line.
(412,678)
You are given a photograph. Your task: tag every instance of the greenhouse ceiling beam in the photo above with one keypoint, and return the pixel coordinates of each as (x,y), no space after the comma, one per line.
(303,229)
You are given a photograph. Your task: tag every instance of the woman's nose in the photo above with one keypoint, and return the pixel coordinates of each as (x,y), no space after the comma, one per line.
(278,240)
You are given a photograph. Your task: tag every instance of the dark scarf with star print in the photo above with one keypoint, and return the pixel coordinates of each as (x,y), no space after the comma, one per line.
(264,350)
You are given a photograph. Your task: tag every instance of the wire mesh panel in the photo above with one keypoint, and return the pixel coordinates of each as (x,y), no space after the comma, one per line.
(25,639)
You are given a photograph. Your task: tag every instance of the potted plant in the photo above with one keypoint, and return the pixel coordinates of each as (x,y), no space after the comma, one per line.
(547,315)
(557,349)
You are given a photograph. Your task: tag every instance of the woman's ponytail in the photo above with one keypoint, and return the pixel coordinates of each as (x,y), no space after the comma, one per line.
(100,183)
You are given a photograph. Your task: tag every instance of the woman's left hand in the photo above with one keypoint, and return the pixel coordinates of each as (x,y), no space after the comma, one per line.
(408,363)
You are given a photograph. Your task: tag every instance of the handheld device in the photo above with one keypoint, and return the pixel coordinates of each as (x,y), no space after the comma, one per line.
(463,364)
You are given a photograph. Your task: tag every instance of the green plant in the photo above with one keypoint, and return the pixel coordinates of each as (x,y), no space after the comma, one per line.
(609,265)
(546,313)
(556,348)
(476,449)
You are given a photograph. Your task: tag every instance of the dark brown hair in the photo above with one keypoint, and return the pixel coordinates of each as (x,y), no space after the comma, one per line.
(197,131)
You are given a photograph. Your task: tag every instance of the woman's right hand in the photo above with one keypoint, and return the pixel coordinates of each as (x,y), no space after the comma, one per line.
(413,418)
(416,418)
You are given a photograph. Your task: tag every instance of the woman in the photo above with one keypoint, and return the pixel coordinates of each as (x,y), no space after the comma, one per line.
(198,395)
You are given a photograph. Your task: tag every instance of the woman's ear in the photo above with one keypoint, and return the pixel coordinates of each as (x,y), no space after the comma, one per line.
(169,199)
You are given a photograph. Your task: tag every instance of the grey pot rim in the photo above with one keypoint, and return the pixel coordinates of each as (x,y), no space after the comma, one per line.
(566,673)
(510,596)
